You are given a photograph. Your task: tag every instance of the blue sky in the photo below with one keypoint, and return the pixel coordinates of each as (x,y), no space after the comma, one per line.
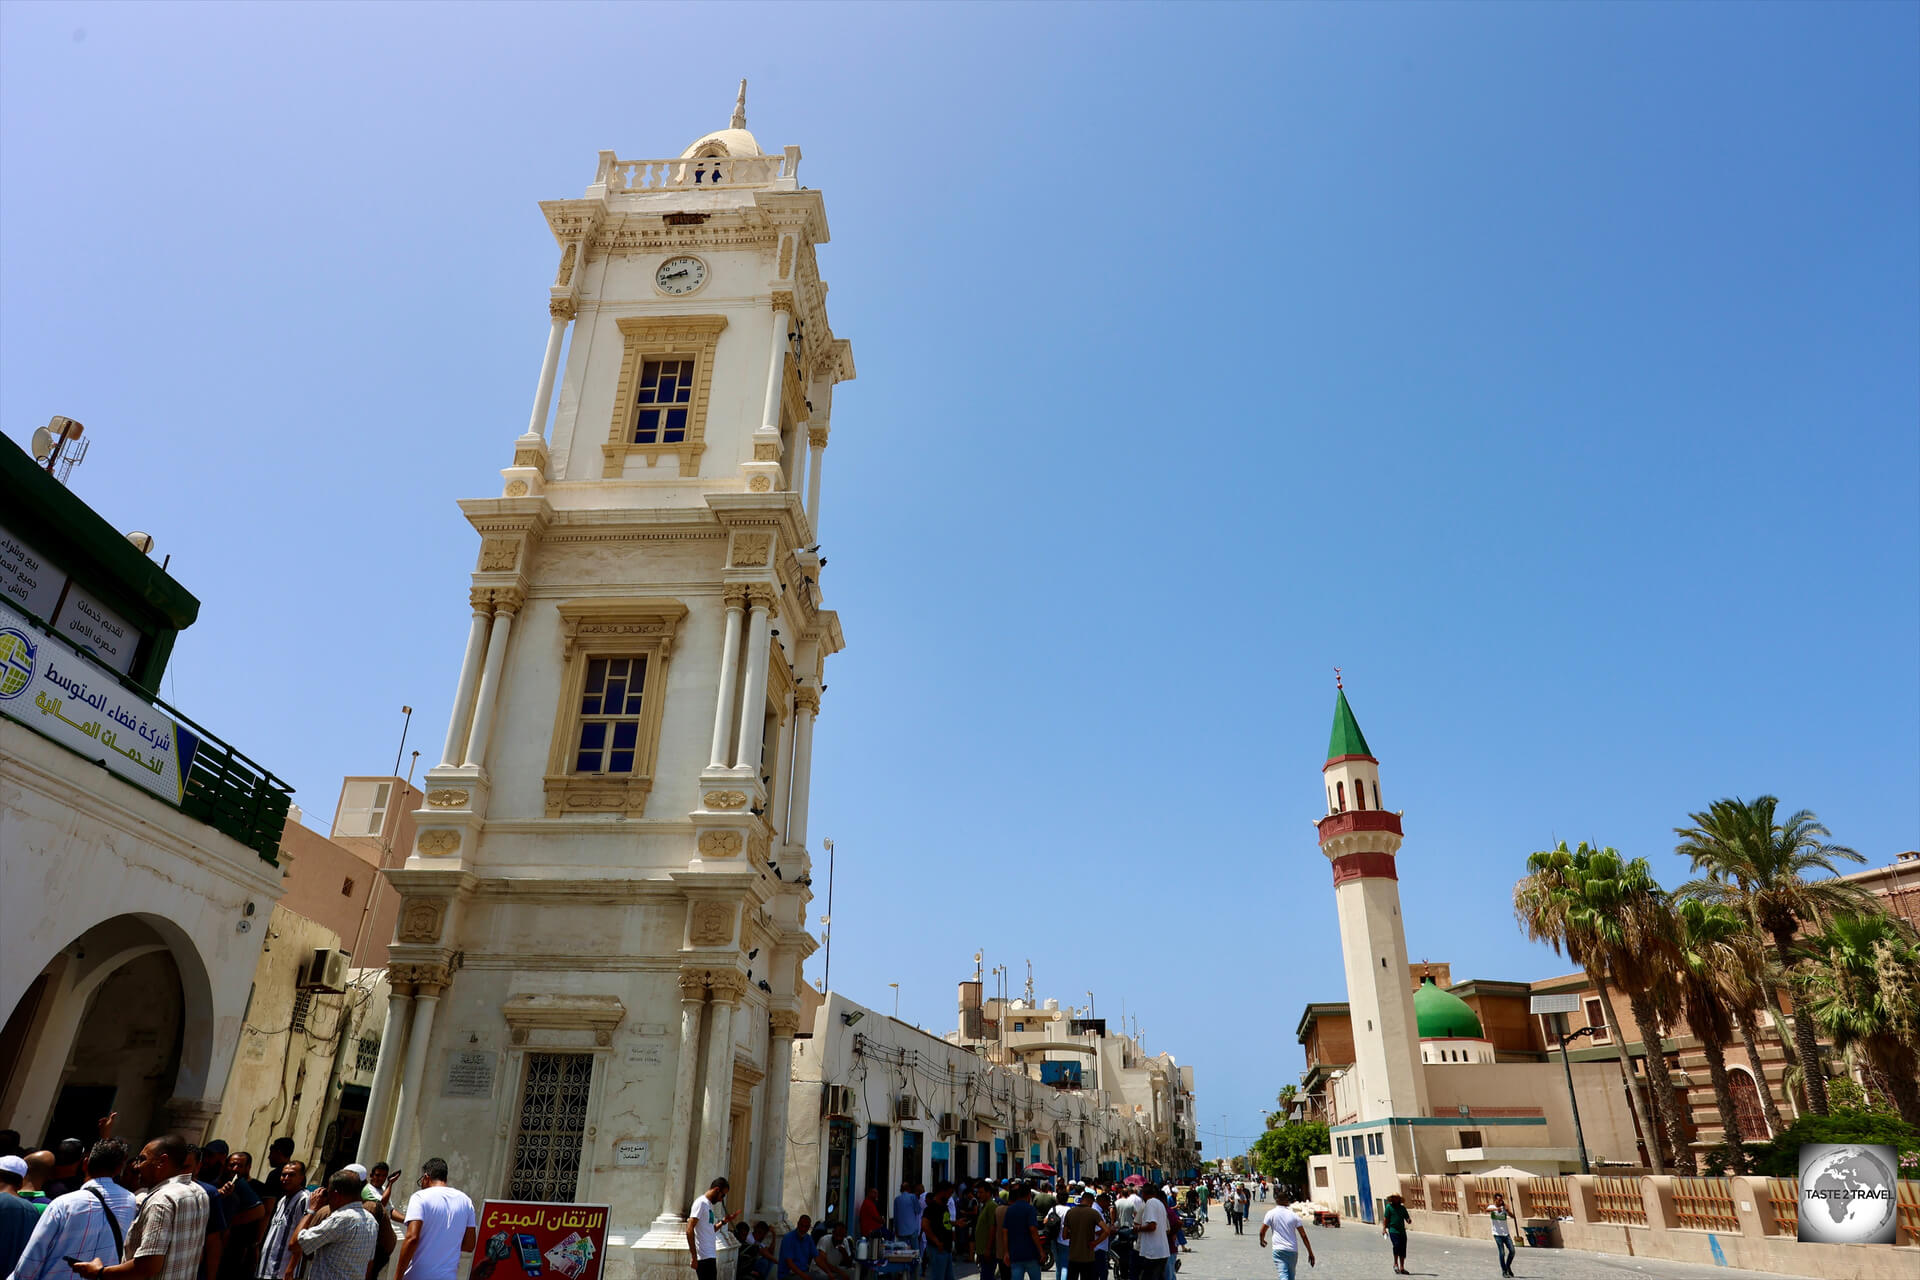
(1555,370)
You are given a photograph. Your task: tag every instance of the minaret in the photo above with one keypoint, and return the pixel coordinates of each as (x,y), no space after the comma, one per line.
(1361,839)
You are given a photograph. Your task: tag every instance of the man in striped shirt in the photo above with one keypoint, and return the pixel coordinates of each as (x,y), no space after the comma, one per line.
(338,1234)
(170,1231)
(285,1220)
(88,1223)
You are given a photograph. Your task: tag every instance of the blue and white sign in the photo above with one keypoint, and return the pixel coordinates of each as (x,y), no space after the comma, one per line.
(51,689)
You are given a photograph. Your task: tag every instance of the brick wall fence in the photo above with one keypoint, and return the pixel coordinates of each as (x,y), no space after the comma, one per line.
(1734,1222)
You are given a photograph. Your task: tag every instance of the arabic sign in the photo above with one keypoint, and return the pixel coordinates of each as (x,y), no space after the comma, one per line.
(50,688)
(28,579)
(523,1239)
(85,621)
(469,1075)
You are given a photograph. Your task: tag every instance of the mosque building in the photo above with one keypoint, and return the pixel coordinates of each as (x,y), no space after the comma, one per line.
(1422,1086)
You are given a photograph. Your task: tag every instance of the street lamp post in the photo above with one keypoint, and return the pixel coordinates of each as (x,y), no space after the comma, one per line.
(1567,1037)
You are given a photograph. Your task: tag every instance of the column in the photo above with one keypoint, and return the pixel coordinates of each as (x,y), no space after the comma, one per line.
(676,1198)
(561,309)
(729,664)
(777,363)
(426,1001)
(753,695)
(504,609)
(817,437)
(806,702)
(782,773)
(376,1131)
(463,692)
(773,1145)
(729,987)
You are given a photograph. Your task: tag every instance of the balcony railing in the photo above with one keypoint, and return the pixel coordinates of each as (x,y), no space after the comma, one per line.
(221,786)
(640,176)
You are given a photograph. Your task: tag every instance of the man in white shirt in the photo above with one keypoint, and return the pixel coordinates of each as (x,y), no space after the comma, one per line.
(703,1224)
(1289,1234)
(1154,1240)
(440,1227)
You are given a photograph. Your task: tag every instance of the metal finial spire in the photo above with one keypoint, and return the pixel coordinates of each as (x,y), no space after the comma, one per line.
(1336,679)
(739,120)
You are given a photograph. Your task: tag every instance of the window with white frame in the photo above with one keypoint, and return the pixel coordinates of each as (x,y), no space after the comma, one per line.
(552,1128)
(1597,1019)
(363,808)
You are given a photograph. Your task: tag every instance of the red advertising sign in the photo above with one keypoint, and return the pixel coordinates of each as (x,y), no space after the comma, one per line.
(527,1240)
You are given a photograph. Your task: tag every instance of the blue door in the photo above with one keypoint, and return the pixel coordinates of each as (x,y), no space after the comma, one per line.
(1366,1186)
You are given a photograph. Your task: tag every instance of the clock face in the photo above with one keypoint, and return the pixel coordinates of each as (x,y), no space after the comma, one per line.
(680,275)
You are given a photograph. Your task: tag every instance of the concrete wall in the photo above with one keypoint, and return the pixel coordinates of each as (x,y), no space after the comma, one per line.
(1755,1243)
(95,873)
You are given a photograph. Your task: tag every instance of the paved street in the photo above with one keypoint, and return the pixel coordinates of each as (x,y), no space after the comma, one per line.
(1361,1251)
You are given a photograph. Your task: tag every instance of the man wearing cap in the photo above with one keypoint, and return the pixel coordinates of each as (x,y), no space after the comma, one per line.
(17,1217)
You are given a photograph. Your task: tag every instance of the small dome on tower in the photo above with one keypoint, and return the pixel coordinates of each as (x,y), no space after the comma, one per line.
(1442,1015)
(733,141)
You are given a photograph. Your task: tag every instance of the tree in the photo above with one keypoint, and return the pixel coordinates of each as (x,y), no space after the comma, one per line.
(1746,984)
(1288,1092)
(1627,914)
(1545,902)
(1781,1157)
(1707,935)
(1864,989)
(1281,1154)
(1759,865)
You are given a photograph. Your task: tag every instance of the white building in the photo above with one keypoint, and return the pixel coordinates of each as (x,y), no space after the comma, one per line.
(136,850)
(596,972)
(1424,1093)
(878,1103)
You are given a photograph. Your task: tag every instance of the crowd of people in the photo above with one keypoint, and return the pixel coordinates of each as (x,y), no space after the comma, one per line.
(175,1210)
(1012,1229)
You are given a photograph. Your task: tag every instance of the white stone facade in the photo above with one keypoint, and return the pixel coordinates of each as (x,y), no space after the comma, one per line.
(599,946)
(102,883)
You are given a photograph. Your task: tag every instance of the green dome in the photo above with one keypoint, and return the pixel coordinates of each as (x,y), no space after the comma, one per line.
(1442,1015)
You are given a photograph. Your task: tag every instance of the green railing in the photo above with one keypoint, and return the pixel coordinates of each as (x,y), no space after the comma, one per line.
(231,793)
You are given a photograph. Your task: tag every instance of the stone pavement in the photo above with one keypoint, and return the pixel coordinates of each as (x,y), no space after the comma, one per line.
(1358,1250)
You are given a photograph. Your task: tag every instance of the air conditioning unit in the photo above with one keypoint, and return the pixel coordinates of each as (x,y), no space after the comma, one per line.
(968,1132)
(326,971)
(949,1122)
(906,1107)
(838,1100)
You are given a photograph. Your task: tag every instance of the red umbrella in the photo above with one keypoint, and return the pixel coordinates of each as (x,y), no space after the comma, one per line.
(1136,1180)
(1042,1167)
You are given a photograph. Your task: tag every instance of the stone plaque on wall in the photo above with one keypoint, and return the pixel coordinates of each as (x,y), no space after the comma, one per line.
(647,1053)
(630,1154)
(469,1075)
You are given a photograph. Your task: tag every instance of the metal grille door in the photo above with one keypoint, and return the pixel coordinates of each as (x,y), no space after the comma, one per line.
(553,1124)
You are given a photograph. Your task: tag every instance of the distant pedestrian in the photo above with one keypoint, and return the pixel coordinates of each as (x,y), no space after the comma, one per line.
(440,1227)
(1502,1232)
(1394,1227)
(1289,1233)
(169,1234)
(89,1223)
(986,1233)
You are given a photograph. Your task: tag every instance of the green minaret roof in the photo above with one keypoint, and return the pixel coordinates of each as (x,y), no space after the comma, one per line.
(1347,739)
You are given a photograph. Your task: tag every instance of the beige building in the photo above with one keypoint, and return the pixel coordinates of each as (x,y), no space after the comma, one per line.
(596,963)
(137,849)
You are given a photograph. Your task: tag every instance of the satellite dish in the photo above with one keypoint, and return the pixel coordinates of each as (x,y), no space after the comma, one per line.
(42,444)
(142,542)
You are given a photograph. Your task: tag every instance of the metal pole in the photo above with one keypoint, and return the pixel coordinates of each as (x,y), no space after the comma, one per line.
(1573,1098)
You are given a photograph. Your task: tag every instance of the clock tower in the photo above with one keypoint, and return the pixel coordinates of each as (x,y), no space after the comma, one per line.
(596,975)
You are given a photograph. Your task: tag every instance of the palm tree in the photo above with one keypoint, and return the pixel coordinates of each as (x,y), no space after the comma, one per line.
(1545,902)
(1624,908)
(1708,935)
(1758,865)
(1286,1096)
(1865,990)
(1746,986)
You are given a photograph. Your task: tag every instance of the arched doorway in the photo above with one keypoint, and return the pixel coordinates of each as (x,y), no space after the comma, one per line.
(1746,1105)
(117,1020)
